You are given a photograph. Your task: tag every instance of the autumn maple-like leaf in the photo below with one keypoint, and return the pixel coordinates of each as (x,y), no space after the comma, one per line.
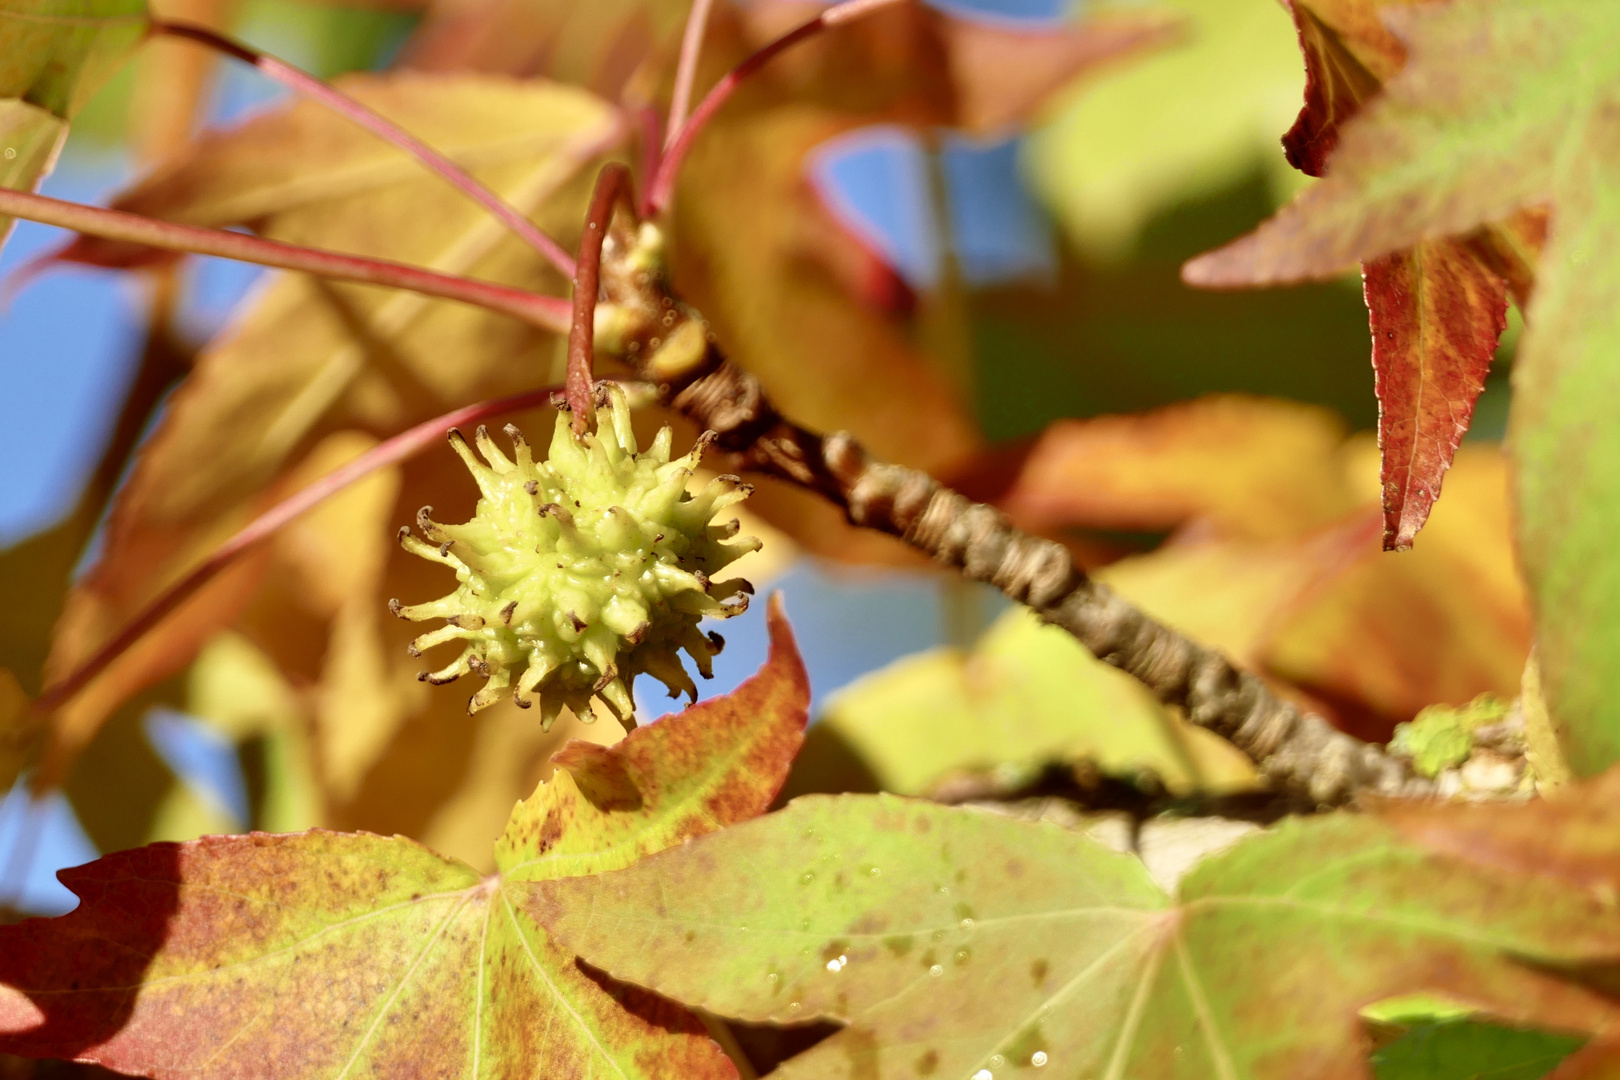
(54,54)
(1436,309)
(897,916)
(332,954)
(1505,104)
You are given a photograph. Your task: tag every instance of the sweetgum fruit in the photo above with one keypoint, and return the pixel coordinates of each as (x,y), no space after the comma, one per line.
(582,571)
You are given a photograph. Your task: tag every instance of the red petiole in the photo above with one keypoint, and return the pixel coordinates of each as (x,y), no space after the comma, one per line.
(548,312)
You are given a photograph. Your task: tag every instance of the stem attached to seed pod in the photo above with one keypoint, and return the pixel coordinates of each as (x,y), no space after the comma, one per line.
(612,186)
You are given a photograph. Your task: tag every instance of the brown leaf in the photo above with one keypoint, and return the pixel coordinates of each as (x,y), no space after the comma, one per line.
(18,730)
(826,362)
(1597,1060)
(605,46)
(1235,595)
(1003,76)
(1273,552)
(1443,623)
(1436,316)
(1360,29)
(1248,467)
(1437,309)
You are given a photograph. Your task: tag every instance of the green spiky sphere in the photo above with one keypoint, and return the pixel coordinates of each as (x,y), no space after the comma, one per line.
(580,572)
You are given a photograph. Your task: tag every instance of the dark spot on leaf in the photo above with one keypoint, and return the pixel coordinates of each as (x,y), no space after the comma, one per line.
(1025,1047)
(1037,972)
(898,944)
(927,1063)
(862,1047)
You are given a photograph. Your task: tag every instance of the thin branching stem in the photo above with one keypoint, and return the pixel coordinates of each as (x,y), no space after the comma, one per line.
(612,186)
(680,142)
(680,102)
(404,445)
(341,103)
(548,312)
(652,153)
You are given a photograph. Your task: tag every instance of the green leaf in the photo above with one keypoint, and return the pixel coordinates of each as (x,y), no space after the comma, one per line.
(54,54)
(1027,694)
(1472,1050)
(337,955)
(960,944)
(1567,452)
(1185,123)
(1505,103)
(30,138)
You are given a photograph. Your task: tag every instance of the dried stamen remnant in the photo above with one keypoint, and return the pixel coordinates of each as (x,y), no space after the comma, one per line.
(580,572)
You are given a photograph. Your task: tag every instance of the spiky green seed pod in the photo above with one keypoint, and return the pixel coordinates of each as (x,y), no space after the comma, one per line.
(580,572)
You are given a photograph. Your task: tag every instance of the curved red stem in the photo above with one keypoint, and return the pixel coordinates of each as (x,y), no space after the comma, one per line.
(544,311)
(681,139)
(612,185)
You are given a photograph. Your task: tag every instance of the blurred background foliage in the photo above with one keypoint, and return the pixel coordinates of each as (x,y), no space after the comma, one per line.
(969,296)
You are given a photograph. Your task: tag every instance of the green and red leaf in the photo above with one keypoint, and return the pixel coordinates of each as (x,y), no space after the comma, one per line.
(1504,106)
(331,954)
(958,943)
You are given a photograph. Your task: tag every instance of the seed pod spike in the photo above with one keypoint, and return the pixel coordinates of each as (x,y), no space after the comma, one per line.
(492,453)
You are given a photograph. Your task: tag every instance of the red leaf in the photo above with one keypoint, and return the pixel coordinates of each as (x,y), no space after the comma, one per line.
(1437,314)
(1336,84)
